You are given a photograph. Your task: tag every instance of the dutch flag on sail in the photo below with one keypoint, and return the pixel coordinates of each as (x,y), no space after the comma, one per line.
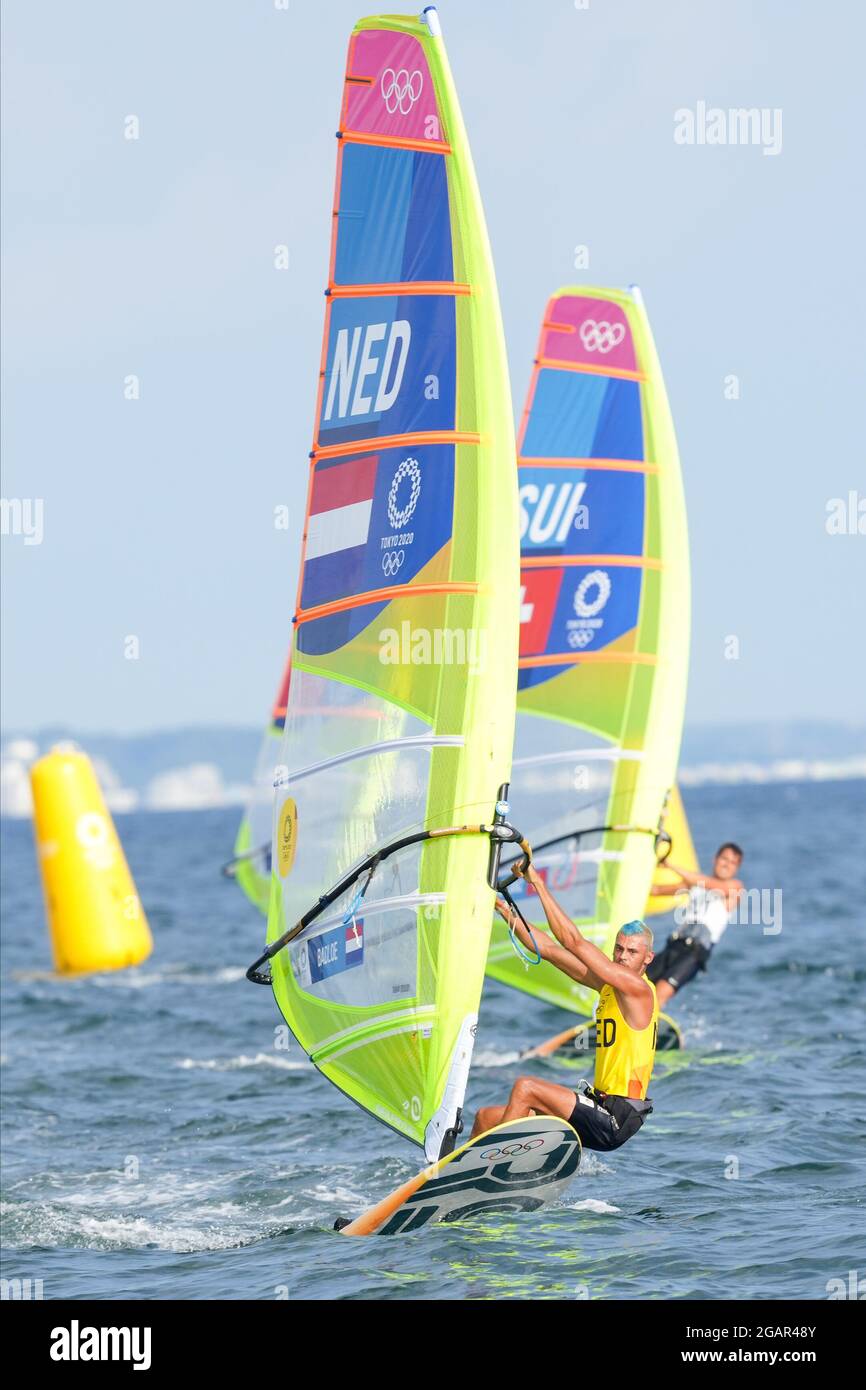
(355,941)
(338,527)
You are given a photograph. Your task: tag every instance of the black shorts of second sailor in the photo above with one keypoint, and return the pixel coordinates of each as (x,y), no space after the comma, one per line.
(596,1126)
(679,962)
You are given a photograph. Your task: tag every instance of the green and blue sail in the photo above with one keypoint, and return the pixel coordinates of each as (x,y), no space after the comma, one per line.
(604,615)
(410,553)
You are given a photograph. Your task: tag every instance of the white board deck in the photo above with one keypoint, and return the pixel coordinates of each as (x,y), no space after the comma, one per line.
(518,1166)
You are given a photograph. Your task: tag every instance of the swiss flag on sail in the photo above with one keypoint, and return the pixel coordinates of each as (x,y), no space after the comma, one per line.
(538,594)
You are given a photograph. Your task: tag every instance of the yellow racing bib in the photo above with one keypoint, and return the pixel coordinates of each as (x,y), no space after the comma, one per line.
(624,1055)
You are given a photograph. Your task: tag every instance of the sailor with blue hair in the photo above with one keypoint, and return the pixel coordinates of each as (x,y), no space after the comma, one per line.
(614,1107)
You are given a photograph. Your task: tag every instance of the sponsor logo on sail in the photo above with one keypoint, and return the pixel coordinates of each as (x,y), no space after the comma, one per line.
(590,597)
(392,561)
(596,579)
(406,476)
(287,836)
(399,516)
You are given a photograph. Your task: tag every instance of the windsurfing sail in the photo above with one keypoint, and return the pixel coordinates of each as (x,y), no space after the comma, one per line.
(250,865)
(682,853)
(604,623)
(400,717)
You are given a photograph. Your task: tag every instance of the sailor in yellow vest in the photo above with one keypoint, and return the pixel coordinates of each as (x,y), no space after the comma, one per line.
(608,1113)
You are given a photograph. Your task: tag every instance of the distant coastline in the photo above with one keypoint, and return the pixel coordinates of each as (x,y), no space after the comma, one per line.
(198,768)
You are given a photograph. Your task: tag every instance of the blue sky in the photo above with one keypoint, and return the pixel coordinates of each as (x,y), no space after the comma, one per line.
(155,257)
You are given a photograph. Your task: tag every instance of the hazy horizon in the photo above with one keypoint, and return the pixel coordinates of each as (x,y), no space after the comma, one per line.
(9,731)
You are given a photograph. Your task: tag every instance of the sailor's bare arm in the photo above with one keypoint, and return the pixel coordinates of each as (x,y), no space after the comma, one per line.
(666,890)
(730,887)
(601,970)
(568,935)
(548,950)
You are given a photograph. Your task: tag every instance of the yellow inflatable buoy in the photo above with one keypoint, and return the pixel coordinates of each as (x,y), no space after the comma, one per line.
(95,917)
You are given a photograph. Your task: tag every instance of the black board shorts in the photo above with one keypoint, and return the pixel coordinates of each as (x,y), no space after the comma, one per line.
(597,1127)
(679,962)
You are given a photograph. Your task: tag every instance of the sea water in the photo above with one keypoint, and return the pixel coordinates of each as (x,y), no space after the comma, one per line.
(160,1142)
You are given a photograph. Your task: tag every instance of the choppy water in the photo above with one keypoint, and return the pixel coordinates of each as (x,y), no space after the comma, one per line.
(156,1145)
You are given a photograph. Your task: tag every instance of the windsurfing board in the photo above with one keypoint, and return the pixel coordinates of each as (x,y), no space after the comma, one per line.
(582,1038)
(518,1166)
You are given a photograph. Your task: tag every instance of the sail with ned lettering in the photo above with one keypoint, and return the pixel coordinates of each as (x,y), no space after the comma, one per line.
(400,714)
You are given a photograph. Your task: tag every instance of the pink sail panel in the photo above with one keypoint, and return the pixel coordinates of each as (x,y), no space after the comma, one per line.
(592,332)
(389,90)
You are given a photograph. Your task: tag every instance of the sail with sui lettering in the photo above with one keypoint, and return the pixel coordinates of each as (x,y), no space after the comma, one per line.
(604,624)
(387,816)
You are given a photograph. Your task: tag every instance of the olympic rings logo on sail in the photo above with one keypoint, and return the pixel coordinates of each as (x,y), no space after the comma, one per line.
(409,468)
(601,336)
(595,578)
(580,637)
(392,562)
(400,90)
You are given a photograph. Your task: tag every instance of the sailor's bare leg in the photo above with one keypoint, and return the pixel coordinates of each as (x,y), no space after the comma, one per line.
(487,1118)
(529,1096)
